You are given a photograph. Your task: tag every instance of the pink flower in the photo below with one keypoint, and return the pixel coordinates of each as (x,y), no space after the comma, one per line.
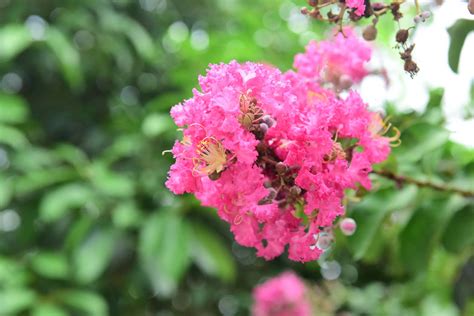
(358,5)
(339,60)
(284,295)
(274,153)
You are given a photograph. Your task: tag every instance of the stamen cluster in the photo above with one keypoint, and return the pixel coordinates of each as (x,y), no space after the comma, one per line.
(274,152)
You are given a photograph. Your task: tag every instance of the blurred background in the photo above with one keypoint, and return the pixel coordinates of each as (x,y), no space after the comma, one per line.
(87,226)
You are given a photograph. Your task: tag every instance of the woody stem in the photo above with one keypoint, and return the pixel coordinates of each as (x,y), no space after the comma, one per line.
(423,183)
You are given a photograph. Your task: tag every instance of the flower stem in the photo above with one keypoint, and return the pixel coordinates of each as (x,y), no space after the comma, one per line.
(422,183)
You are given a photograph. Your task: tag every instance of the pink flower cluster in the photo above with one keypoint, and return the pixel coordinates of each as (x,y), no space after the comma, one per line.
(273,152)
(284,295)
(358,5)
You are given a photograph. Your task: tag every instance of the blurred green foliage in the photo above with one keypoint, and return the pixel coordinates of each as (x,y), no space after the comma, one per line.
(86,224)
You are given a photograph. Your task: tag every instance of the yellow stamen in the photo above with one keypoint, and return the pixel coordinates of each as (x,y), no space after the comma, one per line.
(379,127)
(211,158)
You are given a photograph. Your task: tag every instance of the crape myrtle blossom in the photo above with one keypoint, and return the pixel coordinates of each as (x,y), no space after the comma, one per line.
(273,152)
(284,295)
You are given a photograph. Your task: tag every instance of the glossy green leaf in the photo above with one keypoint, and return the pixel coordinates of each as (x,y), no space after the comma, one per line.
(68,57)
(51,265)
(165,250)
(63,200)
(92,257)
(12,137)
(110,182)
(370,213)
(459,233)
(40,179)
(48,309)
(458,33)
(13,109)
(15,300)
(14,38)
(211,254)
(88,303)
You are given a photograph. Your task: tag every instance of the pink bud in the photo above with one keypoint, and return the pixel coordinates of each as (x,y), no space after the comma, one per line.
(348,226)
(323,241)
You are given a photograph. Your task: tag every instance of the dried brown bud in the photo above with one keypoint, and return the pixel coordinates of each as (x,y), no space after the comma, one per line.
(304,10)
(470,6)
(411,67)
(215,175)
(281,168)
(370,33)
(402,36)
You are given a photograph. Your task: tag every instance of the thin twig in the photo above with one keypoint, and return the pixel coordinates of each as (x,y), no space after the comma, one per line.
(422,183)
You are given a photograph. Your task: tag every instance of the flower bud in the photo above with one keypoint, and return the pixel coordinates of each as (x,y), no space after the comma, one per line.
(417,19)
(263,128)
(280,168)
(304,10)
(370,33)
(267,184)
(267,119)
(345,82)
(425,15)
(348,226)
(401,36)
(470,6)
(295,190)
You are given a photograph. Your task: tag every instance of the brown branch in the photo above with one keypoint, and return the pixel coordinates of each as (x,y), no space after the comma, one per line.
(422,183)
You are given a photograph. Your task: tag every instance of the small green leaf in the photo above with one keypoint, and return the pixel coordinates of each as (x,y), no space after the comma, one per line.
(156,124)
(39,179)
(90,303)
(419,140)
(15,300)
(458,34)
(6,191)
(459,233)
(211,255)
(110,182)
(62,200)
(422,232)
(48,309)
(94,254)
(51,265)
(67,55)
(164,250)
(12,137)
(14,38)
(13,109)
(370,213)
(127,215)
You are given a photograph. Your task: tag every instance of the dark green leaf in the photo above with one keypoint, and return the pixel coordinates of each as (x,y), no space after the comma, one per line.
(459,233)
(211,254)
(458,33)
(165,250)
(90,303)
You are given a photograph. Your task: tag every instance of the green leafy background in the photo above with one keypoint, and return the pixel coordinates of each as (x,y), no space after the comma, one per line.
(86,224)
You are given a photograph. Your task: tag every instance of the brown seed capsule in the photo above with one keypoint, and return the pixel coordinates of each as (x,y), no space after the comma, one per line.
(370,33)
(470,6)
(411,67)
(402,36)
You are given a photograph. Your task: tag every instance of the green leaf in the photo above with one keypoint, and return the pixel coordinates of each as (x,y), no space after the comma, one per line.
(56,203)
(211,254)
(141,40)
(459,233)
(370,213)
(14,38)
(15,300)
(421,234)
(13,109)
(39,179)
(90,303)
(110,182)
(419,140)
(6,191)
(12,137)
(164,251)
(458,34)
(48,309)
(94,254)
(12,273)
(51,265)
(127,215)
(68,57)
(156,124)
